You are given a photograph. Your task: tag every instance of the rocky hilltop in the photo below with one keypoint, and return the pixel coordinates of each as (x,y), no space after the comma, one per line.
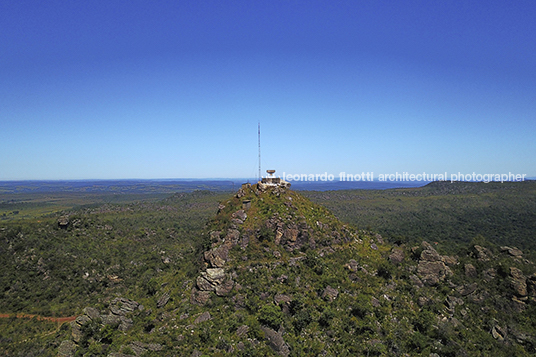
(279,275)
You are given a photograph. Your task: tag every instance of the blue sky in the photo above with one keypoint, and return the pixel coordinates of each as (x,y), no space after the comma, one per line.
(175,89)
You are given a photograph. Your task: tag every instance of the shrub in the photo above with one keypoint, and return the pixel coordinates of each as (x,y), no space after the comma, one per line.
(270,315)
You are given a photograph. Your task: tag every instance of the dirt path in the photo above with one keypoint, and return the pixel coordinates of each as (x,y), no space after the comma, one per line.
(59,320)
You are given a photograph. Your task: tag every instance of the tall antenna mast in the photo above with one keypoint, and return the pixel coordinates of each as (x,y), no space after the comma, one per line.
(259,150)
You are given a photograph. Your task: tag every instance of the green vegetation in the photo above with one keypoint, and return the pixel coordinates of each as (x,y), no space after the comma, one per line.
(450,213)
(302,283)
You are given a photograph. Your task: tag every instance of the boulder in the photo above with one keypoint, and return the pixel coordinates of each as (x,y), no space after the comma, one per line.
(449,260)
(198,297)
(467,289)
(397,256)
(518,281)
(92,313)
(67,349)
(515,252)
(242,331)
(122,306)
(205,316)
(352,265)
(241,215)
(470,271)
(276,341)
(430,254)
(330,293)
(217,257)
(163,300)
(432,272)
(77,326)
(416,281)
(282,299)
(482,254)
(224,288)
(203,284)
(63,222)
(431,267)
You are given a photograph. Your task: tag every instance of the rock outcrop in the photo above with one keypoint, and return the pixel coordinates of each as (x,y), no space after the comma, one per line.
(431,267)
(120,310)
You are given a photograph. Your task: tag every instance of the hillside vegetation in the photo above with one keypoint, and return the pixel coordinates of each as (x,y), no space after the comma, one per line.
(260,272)
(444,212)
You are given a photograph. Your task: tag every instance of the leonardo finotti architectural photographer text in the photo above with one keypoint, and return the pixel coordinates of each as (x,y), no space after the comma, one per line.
(405,176)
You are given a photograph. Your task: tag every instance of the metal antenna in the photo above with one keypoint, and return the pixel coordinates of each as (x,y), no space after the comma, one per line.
(259,150)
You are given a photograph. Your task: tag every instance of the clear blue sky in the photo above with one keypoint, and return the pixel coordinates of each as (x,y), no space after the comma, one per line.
(175,89)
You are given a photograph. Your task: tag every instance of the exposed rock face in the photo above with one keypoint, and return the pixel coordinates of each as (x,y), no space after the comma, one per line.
(276,341)
(482,254)
(431,267)
(122,306)
(199,297)
(396,256)
(63,222)
(139,348)
(242,330)
(467,289)
(205,316)
(241,215)
(352,265)
(515,252)
(67,349)
(119,309)
(330,293)
(217,257)
(518,282)
(470,271)
(489,274)
(163,300)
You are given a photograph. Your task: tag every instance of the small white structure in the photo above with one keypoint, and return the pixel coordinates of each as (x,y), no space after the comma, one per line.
(272,181)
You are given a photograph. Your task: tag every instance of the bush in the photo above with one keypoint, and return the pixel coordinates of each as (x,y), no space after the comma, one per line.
(270,315)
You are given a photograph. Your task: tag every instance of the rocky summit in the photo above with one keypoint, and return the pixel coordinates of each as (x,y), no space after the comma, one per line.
(279,275)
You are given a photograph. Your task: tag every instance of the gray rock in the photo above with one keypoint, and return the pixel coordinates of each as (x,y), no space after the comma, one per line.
(489,274)
(470,271)
(122,306)
(396,256)
(515,252)
(92,313)
(63,221)
(518,281)
(198,297)
(241,215)
(430,255)
(432,272)
(450,261)
(416,281)
(242,331)
(163,300)
(76,326)
(482,254)
(67,349)
(276,341)
(352,265)
(330,293)
(467,289)
(125,324)
(282,299)
(217,257)
(205,316)
(110,319)
(225,288)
